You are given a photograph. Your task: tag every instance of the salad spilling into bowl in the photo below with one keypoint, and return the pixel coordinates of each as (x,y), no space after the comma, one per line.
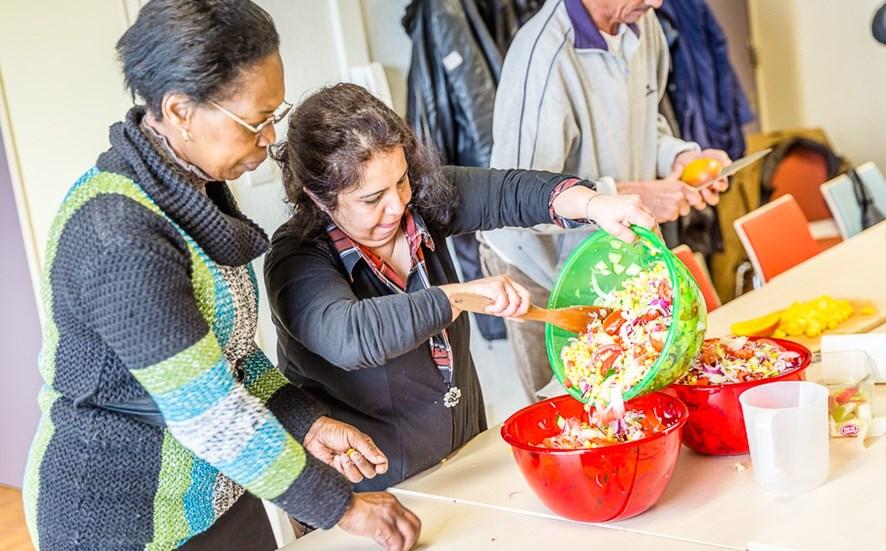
(616,352)
(730,360)
(577,434)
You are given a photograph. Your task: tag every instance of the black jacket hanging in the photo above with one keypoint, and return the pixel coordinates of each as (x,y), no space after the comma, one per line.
(458,48)
(452,77)
(457,53)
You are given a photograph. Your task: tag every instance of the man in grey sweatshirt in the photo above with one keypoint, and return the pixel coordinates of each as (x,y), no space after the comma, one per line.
(579,94)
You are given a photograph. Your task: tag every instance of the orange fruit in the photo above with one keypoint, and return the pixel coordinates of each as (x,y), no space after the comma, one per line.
(701,171)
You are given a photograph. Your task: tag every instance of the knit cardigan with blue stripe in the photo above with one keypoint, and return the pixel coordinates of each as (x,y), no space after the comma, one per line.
(137,311)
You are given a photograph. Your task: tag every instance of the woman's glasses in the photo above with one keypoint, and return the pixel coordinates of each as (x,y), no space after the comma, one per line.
(278,116)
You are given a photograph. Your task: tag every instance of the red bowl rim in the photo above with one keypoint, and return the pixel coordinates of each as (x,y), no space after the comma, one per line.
(684,416)
(793,346)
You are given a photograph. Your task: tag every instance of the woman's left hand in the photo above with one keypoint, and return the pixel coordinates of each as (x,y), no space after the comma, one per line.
(345,449)
(616,214)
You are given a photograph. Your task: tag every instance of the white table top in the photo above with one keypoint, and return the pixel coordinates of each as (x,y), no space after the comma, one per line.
(714,500)
(710,499)
(853,269)
(448,526)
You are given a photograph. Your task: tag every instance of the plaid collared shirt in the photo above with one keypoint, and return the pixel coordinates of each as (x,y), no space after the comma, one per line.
(416,235)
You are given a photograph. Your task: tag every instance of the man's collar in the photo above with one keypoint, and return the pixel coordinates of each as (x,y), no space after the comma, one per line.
(587,35)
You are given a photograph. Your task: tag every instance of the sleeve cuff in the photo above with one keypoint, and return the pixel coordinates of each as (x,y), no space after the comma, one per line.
(668,149)
(319,497)
(560,188)
(296,410)
(442,308)
(606,186)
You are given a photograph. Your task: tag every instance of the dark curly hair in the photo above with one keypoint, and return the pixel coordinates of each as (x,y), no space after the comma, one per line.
(194,47)
(331,135)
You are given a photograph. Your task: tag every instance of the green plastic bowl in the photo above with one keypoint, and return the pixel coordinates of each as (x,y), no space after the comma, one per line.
(573,287)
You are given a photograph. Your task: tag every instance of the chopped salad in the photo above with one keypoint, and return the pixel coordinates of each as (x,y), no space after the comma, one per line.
(737,360)
(576,434)
(849,408)
(617,351)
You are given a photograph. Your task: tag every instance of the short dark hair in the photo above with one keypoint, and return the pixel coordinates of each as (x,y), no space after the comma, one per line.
(330,137)
(193,47)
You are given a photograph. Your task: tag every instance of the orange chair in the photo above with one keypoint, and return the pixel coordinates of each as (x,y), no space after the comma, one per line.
(800,173)
(776,237)
(700,273)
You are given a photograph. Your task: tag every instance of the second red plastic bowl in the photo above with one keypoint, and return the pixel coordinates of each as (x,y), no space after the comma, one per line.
(716,424)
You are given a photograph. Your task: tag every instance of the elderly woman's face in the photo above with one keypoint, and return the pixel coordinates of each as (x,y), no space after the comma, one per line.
(371,213)
(222,147)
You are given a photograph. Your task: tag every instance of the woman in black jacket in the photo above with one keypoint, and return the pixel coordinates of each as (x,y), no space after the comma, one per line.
(360,279)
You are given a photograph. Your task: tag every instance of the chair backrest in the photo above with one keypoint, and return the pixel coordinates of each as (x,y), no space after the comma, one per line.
(839,194)
(701,275)
(874,182)
(800,173)
(776,237)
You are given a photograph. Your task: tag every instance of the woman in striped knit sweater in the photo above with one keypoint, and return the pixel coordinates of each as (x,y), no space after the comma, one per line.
(163,423)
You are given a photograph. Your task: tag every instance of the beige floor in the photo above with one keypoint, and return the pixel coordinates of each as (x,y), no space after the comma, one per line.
(12,521)
(496,369)
(502,391)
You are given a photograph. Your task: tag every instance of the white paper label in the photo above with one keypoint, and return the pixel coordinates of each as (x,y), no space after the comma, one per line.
(452,60)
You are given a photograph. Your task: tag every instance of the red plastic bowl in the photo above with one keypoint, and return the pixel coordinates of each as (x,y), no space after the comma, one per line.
(716,424)
(597,484)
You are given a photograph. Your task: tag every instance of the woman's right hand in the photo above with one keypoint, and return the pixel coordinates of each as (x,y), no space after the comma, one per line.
(509,298)
(380,516)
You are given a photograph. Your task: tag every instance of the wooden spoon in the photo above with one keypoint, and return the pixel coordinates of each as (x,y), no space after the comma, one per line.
(574,319)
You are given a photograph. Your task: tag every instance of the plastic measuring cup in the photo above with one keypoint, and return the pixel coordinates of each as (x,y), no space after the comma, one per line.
(849,378)
(787,425)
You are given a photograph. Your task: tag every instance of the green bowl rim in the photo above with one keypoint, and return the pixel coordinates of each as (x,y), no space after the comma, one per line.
(669,260)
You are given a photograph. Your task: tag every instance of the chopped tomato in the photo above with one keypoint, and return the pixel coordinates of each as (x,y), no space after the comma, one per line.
(567,384)
(655,424)
(606,356)
(613,323)
(650,316)
(846,396)
(744,353)
(709,355)
(657,340)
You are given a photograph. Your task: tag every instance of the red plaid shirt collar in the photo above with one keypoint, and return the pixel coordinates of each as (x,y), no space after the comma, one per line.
(351,252)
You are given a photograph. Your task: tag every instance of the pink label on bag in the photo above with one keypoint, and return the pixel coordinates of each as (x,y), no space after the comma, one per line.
(849,430)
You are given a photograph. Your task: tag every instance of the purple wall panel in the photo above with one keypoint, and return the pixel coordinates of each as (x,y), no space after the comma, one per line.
(19,340)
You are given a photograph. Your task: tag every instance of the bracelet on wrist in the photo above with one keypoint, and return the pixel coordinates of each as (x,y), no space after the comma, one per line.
(588,205)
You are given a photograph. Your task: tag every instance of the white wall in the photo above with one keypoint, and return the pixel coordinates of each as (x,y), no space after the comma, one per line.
(310,61)
(819,66)
(389,44)
(62,90)
(59,92)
